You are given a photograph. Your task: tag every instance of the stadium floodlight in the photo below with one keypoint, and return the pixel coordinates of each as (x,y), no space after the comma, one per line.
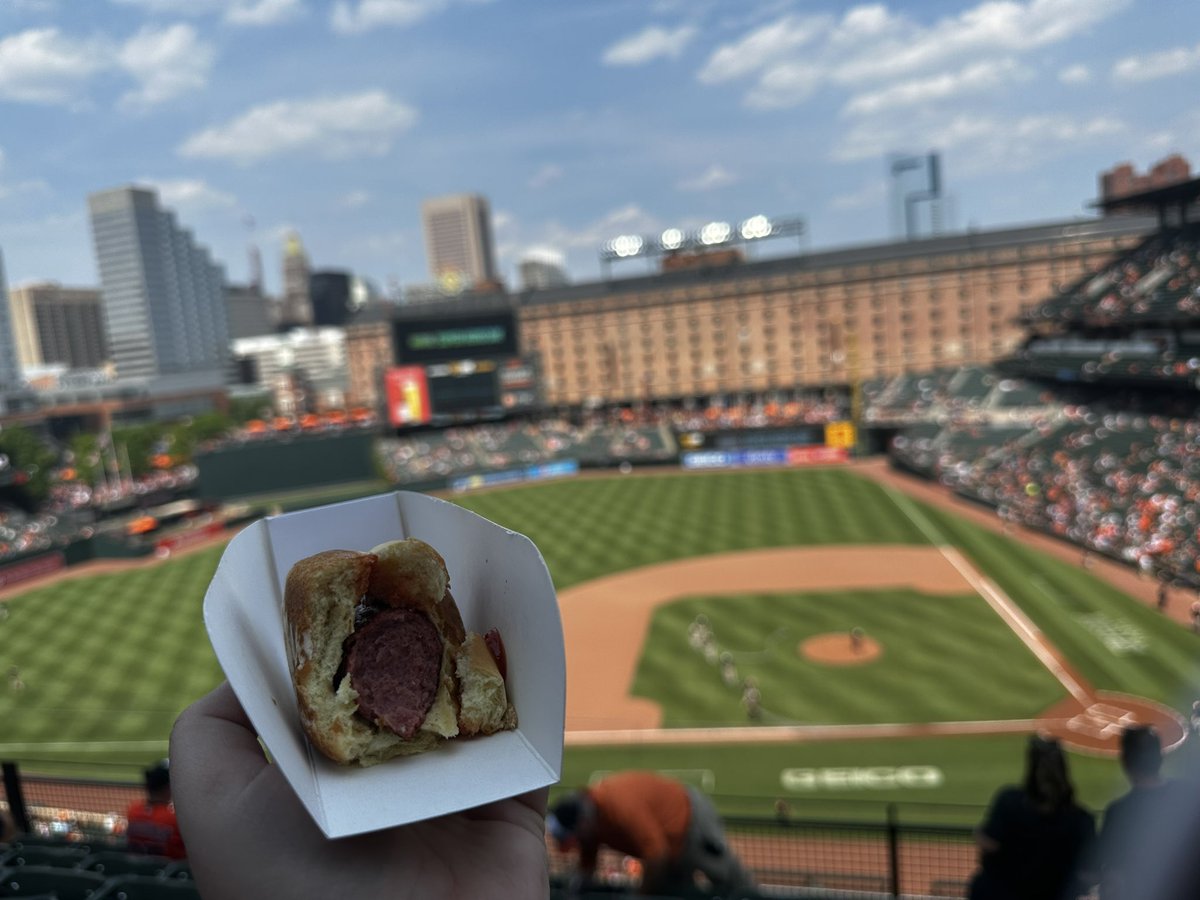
(627,245)
(756,227)
(715,233)
(671,239)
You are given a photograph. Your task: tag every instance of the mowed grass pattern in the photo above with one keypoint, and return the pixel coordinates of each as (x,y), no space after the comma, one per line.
(945,659)
(593,527)
(113,658)
(106,660)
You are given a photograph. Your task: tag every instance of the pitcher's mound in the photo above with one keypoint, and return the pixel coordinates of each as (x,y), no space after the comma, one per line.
(837,650)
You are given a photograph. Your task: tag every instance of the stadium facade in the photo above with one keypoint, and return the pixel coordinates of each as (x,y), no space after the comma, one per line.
(827,319)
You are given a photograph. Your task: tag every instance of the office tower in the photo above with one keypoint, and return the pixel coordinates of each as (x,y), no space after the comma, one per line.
(9,376)
(53,324)
(297,301)
(248,311)
(541,272)
(164,303)
(458,240)
(331,297)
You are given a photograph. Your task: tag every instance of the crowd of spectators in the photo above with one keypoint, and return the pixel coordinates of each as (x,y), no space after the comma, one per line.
(76,496)
(640,434)
(1125,483)
(1159,280)
(22,532)
(968,394)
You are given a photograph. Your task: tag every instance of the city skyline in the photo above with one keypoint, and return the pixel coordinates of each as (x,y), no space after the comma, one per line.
(577,123)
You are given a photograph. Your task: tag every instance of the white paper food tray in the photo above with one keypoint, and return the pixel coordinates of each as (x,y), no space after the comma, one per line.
(499,581)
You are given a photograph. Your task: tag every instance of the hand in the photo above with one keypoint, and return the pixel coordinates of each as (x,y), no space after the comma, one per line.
(248,836)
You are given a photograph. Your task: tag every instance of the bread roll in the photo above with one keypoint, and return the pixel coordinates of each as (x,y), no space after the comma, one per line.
(379,657)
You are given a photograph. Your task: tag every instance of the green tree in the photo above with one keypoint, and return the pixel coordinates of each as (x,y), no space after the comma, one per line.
(30,455)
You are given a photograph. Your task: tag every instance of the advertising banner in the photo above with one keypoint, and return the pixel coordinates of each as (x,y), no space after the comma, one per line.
(407,392)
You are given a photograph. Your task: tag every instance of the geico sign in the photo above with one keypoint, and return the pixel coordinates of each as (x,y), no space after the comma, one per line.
(870,778)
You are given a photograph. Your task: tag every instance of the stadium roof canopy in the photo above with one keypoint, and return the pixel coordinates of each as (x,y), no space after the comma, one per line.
(1181,196)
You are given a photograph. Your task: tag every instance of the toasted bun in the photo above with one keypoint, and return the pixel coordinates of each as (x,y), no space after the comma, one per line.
(485,708)
(320,597)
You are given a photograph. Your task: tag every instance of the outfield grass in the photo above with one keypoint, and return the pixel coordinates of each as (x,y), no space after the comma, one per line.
(109,660)
(945,659)
(107,663)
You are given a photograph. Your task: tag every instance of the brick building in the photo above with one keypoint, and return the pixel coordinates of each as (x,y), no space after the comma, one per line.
(800,322)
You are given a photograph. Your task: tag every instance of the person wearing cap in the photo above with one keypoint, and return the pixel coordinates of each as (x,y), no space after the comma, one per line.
(151,825)
(672,828)
(1150,834)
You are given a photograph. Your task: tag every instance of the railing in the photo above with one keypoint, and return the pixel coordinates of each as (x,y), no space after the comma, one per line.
(852,850)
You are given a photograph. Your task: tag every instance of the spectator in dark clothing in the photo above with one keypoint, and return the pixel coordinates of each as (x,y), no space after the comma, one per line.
(1035,838)
(1150,842)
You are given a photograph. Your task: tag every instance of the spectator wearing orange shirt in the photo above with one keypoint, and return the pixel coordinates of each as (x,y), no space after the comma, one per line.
(152,827)
(673,829)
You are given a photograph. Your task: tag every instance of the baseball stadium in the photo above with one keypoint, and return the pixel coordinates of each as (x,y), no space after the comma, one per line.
(839,608)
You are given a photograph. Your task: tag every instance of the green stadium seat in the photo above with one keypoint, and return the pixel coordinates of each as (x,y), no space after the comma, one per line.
(37,840)
(118,862)
(180,870)
(139,887)
(65,884)
(65,857)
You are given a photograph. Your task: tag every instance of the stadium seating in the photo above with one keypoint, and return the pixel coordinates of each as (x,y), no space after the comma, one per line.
(65,884)
(1155,282)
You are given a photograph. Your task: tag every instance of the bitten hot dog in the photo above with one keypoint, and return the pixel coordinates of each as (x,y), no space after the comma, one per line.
(379,657)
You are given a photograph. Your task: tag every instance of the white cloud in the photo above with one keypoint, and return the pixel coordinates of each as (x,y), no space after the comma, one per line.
(235,12)
(762,47)
(1076,74)
(544,254)
(628,219)
(355,199)
(649,44)
(333,126)
(189,193)
(981,76)
(167,62)
(1162,64)
(257,13)
(710,179)
(42,65)
(792,57)
(355,18)
(503,220)
(979,143)
(873,193)
(547,174)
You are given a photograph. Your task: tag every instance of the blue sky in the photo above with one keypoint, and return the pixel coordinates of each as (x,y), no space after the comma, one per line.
(579,119)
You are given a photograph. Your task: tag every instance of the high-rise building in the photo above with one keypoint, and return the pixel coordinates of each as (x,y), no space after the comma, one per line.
(458,240)
(297,299)
(9,374)
(164,303)
(55,324)
(540,272)
(248,311)
(331,300)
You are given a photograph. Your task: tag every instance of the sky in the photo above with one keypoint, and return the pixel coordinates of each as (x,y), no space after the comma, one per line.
(579,119)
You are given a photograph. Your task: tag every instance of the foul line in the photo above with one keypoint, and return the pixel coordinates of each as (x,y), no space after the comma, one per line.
(777,734)
(999,601)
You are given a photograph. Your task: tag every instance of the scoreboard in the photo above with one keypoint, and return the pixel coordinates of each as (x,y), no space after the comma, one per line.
(463,390)
(446,339)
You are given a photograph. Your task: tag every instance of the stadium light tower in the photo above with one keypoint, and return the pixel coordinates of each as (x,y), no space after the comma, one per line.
(931,193)
(717,233)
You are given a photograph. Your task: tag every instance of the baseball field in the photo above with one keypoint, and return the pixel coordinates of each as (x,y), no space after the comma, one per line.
(708,620)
